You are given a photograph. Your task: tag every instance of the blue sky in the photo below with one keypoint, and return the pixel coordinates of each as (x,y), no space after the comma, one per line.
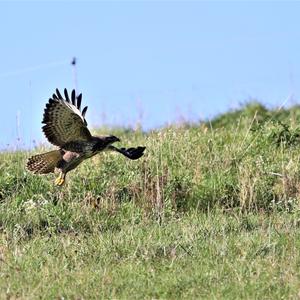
(162,60)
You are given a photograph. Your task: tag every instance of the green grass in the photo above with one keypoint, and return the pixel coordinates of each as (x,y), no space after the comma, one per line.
(211,211)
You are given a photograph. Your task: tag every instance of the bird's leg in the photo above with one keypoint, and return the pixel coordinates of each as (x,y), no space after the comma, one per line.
(59,181)
(132,153)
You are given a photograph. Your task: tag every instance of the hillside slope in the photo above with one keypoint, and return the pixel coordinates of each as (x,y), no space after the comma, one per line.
(211,210)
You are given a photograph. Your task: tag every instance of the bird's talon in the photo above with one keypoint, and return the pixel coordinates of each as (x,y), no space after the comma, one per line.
(59,181)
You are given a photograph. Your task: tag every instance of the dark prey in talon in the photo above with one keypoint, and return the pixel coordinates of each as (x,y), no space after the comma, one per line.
(66,127)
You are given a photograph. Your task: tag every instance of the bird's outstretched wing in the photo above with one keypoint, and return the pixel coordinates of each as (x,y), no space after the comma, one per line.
(64,121)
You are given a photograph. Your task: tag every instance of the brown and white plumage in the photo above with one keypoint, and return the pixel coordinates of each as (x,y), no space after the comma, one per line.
(44,163)
(66,127)
(64,121)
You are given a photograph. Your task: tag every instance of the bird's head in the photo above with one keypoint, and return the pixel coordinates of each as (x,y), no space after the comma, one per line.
(101,142)
(111,139)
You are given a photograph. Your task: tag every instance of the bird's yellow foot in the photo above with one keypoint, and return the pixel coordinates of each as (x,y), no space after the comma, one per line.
(59,181)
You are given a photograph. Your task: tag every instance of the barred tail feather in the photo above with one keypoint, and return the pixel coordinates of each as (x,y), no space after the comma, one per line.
(44,163)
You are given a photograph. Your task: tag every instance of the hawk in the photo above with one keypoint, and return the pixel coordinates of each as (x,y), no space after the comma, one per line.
(66,127)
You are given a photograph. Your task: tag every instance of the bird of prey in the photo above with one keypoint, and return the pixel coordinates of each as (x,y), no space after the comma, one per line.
(66,127)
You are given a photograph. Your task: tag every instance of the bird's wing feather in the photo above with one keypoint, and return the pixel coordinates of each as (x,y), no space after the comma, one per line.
(64,121)
(132,153)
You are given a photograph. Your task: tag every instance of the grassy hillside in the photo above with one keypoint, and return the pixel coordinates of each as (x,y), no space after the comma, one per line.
(210,211)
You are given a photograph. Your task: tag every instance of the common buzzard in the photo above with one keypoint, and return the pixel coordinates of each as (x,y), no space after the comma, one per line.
(66,127)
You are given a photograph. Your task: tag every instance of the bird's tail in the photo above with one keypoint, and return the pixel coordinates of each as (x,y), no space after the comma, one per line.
(44,163)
